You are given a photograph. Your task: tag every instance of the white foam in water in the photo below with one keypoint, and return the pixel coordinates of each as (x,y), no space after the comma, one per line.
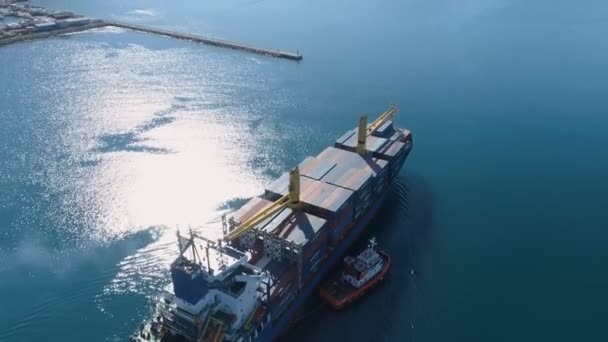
(144,13)
(106,29)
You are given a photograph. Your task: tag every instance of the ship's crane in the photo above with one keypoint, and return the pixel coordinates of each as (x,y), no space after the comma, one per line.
(383,118)
(365,130)
(292,199)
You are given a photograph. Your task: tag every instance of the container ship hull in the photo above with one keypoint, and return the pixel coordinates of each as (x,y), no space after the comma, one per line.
(281,245)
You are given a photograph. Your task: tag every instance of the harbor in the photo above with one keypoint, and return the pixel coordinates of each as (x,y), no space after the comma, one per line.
(38,23)
(112,140)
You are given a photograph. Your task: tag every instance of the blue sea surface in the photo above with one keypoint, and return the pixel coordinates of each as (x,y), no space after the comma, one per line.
(111,140)
(8,20)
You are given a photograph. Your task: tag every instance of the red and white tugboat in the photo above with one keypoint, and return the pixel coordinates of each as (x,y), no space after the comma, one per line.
(358,276)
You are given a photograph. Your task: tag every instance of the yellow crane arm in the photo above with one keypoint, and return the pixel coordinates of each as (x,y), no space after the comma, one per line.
(389,114)
(292,199)
(365,130)
(258,218)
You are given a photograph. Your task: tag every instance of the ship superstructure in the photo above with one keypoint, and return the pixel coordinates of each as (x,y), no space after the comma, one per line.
(279,246)
(215,295)
(364,267)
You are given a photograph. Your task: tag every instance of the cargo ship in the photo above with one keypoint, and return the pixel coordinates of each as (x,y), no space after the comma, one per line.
(281,245)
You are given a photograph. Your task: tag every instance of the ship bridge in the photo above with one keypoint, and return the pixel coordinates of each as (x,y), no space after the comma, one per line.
(212,280)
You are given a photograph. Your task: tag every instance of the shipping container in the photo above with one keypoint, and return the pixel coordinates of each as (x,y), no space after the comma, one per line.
(343,221)
(398,164)
(283,292)
(349,178)
(254,206)
(276,222)
(280,186)
(363,201)
(311,264)
(309,236)
(372,144)
(335,240)
(386,130)
(346,136)
(406,135)
(313,270)
(363,175)
(402,135)
(364,167)
(352,159)
(299,235)
(315,168)
(381,181)
(392,150)
(318,200)
(304,229)
(316,197)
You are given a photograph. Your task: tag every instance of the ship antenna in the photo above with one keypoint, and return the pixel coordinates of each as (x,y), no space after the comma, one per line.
(372,243)
(192,243)
(224,225)
(195,255)
(208,261)
(220,249)
(179,244)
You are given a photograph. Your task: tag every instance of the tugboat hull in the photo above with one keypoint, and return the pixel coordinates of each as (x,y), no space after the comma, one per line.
(339,294)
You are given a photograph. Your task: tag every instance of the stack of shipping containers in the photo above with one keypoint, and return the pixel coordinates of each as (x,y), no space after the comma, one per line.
(282,283)
(395,151)
(323,207)
(318,199)
(336,188)
(348,142)
(364,175)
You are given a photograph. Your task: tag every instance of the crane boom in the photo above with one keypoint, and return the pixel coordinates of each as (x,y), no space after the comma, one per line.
(384,117)
(292,199)
(365,130)
(256,219)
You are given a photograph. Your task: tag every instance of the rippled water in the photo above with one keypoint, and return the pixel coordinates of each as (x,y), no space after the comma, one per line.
(114,139)
(110,140)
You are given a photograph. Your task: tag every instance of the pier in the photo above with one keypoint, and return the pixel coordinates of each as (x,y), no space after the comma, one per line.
(38,23)
(208,41)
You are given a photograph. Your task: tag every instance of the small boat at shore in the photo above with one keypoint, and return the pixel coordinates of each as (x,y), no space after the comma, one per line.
(358,275)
